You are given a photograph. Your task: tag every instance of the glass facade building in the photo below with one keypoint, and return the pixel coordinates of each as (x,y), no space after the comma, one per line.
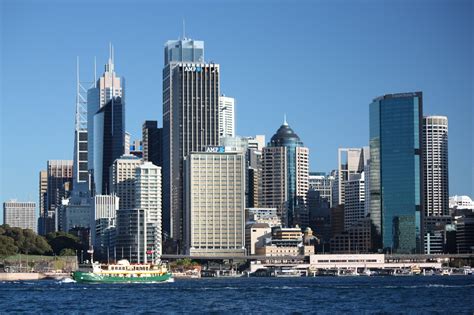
(109,141)
(285,175)
(396,172)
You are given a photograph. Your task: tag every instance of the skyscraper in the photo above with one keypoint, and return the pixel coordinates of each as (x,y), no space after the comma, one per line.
(139,229)
(152,142)
(20,214)
(435,165)
(148,198)
(103,221)
(226,116)
(354,205)
(396,172)
(43,205)
(190,120)
(122,180)
(215,205)
(59,182)
(349,161)
(285,170)
(109,135)
(108,86)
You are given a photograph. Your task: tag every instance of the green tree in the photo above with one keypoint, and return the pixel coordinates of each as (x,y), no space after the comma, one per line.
(67,252)
(26,241)
(62,240)
(7,246)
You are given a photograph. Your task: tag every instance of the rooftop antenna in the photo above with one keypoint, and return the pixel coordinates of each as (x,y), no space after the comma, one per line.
(95,69)
(184,29)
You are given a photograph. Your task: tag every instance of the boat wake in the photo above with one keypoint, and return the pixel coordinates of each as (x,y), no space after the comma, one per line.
(67,280)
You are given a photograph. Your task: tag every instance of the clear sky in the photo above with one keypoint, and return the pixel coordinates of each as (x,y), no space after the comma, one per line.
(320,62)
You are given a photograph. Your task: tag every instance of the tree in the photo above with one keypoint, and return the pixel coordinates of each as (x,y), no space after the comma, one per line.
(62,240)
(67,252)
(25,240)
(7,246)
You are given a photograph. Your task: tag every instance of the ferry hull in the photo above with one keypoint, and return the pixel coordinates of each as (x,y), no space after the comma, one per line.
(89,277)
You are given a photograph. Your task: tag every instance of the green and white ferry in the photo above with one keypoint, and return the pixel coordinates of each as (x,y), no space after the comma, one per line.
(123,272)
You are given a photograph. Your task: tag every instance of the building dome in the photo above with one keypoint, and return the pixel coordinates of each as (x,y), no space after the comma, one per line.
(284,136)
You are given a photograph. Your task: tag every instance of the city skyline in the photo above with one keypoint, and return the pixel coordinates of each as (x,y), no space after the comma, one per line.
(346,121)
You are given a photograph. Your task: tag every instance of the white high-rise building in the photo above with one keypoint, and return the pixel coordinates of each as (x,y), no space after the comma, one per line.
(20,214)
(435,165)
(349,161)
(122,180)
(226,116)
(148,191)
(215,203)
(354,206)
(104,214)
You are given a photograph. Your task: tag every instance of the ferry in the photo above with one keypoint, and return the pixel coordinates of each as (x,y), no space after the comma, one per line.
(123,272)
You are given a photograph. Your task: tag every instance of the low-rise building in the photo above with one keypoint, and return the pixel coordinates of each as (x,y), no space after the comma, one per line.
(256,235)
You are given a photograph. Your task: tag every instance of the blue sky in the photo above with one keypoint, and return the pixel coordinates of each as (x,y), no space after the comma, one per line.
(320,62)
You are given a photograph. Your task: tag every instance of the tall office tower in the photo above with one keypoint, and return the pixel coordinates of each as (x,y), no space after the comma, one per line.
(226,116)
(109,135)
(215,205)
(354,205)
(60,175)
(285,170)
(349,161)
(323,184)
(122,180)
(43,204)
(152,143)
(148,198)
(190,121)
(103,221)
(20,214)
(396,172)
(435,165)
(107,87)
(253,187)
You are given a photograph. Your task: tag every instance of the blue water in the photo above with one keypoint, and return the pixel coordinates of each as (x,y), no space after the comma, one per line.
(429,294)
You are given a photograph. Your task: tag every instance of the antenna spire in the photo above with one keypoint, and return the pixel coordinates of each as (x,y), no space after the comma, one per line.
(284,120)
(184,29)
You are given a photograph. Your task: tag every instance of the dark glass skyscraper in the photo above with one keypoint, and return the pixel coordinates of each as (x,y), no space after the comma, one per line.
(109,141)
(190,122)
(152,142)
(396,184)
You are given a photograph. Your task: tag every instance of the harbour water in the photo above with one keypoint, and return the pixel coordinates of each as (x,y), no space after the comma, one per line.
(433,294)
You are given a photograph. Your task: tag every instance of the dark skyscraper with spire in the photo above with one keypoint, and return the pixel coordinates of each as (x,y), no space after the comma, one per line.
(190,122)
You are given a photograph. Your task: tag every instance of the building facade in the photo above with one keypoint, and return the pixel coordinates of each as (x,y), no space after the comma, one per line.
(109,142)
(349,161)
(215,202)
(20,214)
(122,180)
(285,170)
(226,116)
(152,142)
(354,200)
(59,182)
(396,172)
(435,166)
(190,121)
(108,86)
(148,198)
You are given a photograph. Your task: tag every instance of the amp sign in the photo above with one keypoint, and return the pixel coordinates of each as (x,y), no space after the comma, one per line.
(214,149)
(192,69)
